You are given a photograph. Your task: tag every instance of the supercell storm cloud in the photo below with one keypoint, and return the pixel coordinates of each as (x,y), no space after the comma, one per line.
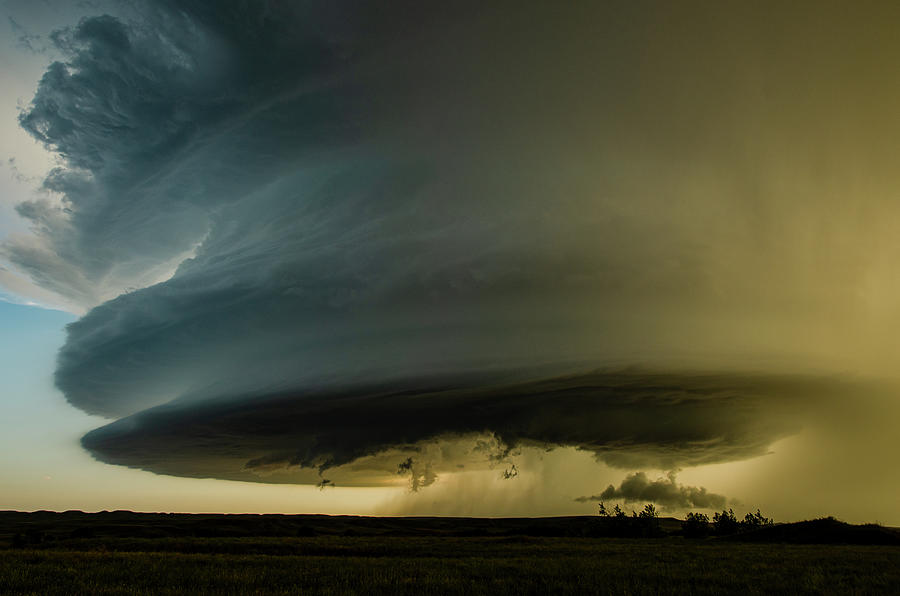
(312,239)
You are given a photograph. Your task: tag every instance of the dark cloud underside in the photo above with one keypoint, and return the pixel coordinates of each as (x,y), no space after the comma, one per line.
(629,419)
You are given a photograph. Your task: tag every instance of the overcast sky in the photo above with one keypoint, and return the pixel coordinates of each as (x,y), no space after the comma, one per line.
(482,258)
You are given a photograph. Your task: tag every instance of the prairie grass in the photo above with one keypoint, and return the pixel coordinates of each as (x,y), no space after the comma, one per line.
(446,565)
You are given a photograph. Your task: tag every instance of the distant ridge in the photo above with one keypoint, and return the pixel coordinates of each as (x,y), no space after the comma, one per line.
(50,526)
(128,524)
(826,530)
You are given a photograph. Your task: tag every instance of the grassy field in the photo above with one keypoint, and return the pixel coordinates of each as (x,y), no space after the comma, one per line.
(140,553)
(448,565)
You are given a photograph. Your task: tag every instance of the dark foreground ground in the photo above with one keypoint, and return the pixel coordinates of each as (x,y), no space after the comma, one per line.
(128,553)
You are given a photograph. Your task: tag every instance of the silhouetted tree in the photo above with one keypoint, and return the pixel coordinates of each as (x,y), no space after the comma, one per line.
(725,523)
(756,520)
(603,512)
(695,525)
(648,521)
(619,525)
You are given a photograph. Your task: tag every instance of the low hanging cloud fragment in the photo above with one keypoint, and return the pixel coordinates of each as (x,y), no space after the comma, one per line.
(666,492)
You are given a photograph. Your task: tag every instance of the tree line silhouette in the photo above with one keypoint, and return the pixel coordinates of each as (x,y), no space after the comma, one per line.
(615,522)
(639,525)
